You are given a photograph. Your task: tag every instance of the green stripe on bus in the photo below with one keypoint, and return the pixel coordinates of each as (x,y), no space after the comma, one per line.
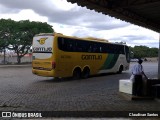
(110,61)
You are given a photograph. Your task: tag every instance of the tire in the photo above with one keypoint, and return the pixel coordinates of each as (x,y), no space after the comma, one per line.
(120,70)
(77,74)
(86,73)
(56,78)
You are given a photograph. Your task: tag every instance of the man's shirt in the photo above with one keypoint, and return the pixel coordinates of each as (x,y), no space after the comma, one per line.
(137,69)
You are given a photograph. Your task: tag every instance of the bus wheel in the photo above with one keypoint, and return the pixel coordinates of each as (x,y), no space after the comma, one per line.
(56,78)
(86,73)
(77,74)
(120,69)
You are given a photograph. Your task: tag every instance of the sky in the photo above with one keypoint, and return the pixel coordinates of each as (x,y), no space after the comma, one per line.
(73,20)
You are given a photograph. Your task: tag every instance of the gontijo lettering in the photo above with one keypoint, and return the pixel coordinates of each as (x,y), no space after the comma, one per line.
(91,57)
(42,49)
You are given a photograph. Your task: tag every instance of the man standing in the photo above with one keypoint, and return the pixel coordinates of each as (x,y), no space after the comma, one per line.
(137,71)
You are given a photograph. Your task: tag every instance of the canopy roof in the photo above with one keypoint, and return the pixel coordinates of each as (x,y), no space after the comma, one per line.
(145,13)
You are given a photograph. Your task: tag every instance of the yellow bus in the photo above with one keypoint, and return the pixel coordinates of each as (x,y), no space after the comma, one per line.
(57,55)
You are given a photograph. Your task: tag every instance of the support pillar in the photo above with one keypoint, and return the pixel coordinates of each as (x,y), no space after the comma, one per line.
(4,56)
(159,59)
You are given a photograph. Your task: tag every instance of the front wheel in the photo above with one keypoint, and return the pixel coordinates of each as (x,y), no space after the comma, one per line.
(120,69)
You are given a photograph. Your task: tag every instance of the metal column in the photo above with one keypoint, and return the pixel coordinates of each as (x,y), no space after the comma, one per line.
(159,59)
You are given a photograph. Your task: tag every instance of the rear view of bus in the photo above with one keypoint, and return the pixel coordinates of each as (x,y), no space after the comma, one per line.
(43,54)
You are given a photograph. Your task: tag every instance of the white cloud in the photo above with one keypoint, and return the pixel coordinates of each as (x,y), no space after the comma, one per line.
(63,5)
(26,14)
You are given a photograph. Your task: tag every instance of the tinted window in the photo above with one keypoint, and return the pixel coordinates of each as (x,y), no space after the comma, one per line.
(75,45)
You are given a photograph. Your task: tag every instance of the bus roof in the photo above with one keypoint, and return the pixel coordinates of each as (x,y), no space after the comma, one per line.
(85,38)
(51,34)
(44,34)
(96,39)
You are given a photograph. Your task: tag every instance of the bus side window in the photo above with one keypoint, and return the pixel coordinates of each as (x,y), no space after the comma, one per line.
(85,46)
(89,48)
(116,49)
(65,44)
(78,46)
(113,49)
(127,53)
(110,49)
(104,48)
(95,48)
(100,49)
(61,43)
(69,45)
(107,48)
(122,49)
(74,45)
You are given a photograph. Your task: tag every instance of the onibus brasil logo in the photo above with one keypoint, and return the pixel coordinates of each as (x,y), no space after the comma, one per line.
(42,41)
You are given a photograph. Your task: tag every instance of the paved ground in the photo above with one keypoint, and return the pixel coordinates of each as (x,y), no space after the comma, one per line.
(20,90)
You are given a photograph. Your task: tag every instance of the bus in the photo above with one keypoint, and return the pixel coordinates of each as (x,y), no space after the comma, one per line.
(57,55)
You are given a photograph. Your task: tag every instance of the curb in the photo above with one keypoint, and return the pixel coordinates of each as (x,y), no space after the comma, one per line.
(10,66)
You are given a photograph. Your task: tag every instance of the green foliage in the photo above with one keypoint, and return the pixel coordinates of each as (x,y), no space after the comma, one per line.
(143,51)
(18,35)
(5,32)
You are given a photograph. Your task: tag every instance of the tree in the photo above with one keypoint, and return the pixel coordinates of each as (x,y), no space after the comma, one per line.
(21,33)
(5,33)
(6,29)
(144,51)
